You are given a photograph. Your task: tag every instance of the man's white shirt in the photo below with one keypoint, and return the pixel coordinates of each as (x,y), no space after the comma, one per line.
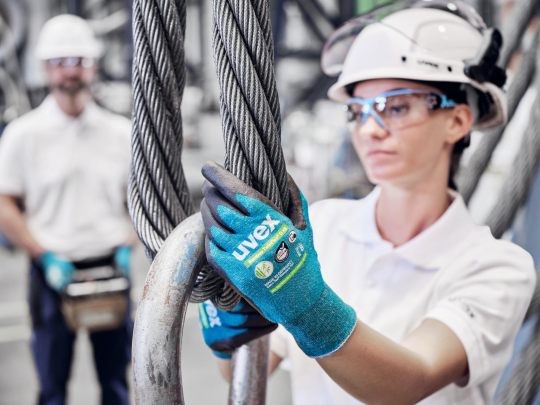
(454,272)
(72,174)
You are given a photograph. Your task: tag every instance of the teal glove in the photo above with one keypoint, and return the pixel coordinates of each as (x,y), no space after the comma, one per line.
(270,259)
(122,260)
(225,331)
(58,270)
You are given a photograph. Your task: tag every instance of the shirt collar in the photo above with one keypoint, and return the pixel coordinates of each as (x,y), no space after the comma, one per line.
(426,249)
(362,227)
(56,115)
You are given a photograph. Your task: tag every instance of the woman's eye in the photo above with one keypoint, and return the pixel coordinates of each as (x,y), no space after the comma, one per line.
(396,110)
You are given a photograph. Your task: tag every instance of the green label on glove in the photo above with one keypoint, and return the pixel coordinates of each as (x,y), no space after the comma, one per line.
(289,274)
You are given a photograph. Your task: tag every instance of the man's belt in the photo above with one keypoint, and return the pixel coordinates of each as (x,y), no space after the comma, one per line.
(98,296)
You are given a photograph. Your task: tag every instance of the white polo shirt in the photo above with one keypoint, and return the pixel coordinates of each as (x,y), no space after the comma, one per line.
(72,175)
(454,272)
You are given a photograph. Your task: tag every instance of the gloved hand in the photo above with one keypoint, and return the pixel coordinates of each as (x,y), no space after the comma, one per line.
(271,260)
(225,331)
(122,260)
(58,270)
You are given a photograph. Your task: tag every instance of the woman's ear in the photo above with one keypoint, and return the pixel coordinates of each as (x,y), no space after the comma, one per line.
(460,122)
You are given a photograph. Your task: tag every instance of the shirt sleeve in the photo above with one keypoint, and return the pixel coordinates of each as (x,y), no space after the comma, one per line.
(485,306)
(11,162)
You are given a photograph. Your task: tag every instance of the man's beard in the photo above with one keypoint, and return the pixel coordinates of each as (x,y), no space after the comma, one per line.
(71,87)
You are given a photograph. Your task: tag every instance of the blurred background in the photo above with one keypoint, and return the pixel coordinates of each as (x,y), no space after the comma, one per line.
(314,138)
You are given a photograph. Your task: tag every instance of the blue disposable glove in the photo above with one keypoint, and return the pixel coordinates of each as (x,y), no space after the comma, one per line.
(58,270)
(225,331)
(122,260)
(270,259)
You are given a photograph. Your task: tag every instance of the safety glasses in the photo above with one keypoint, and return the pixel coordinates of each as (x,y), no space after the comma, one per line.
(397,109)
(71,61)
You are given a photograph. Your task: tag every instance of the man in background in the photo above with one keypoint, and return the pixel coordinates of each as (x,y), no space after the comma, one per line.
(63,180)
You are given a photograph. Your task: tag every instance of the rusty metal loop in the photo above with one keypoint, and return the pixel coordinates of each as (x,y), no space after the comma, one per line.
(161,312)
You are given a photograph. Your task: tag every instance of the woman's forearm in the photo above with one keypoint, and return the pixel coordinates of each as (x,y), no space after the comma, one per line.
(377,370)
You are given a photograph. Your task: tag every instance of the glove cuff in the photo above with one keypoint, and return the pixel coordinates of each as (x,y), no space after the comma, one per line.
(222,355)
(325,326)
(46,257)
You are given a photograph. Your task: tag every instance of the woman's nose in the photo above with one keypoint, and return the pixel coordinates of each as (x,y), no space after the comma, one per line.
(371,128)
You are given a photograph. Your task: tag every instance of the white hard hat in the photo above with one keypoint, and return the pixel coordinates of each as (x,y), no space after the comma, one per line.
(422,44)
(67,35)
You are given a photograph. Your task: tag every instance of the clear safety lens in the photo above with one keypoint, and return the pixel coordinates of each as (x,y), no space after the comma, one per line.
(397,109)
(71,61)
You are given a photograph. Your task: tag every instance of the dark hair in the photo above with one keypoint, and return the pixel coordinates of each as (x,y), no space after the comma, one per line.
(456,92)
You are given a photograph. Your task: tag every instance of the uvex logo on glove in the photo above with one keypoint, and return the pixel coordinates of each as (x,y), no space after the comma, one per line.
(224,331)
(270,259)
(250,251)
(259,234)
(208,314)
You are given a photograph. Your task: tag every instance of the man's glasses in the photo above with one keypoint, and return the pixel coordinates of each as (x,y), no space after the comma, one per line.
(397,109)
(71,61)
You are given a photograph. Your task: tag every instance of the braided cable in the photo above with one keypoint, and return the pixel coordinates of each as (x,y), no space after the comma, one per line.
(516,186)
(250,114)
(525,380)
(250,107)
(522,13)
(534,306)
(470,177)
(522,387)
(158,194)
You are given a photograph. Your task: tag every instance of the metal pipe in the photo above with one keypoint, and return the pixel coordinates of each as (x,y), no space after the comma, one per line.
(249,373)
(161,312)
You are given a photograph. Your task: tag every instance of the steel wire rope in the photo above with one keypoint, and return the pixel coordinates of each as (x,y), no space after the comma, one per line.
(479,161)
(516,24)
(250,114)
(525,378)
(516,186)
(158,195)
(14,35)
(522,386)
(251,123)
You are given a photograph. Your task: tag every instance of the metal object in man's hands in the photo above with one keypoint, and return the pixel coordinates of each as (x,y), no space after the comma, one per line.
(96,299)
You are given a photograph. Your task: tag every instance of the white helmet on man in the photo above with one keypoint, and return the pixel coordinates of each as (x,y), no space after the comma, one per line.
(65,36)
(422,43)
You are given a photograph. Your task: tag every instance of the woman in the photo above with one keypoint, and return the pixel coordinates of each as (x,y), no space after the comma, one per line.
(415,301)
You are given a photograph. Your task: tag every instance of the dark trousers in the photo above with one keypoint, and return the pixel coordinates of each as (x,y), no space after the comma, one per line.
(52,348)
